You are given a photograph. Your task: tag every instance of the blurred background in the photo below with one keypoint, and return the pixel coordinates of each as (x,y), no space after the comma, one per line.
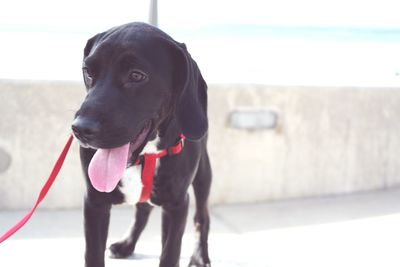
(304,102)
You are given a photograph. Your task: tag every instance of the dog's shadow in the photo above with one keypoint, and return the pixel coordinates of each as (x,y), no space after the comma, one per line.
(137,257)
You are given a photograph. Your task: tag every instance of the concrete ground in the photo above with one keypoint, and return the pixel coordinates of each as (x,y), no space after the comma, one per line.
(346,231)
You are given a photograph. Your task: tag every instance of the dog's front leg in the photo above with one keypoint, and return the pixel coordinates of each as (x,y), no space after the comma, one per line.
(96,221)
(173,224)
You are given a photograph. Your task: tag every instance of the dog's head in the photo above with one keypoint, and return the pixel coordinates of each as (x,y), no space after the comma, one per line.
(136,76)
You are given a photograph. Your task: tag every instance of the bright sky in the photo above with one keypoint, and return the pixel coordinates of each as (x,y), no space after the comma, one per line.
(43,39)
(364,13)
(189,13)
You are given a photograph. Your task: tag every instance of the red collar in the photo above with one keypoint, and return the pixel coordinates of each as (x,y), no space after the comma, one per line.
(148,162)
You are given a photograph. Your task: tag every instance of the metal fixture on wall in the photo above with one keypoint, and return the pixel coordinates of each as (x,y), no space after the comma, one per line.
(253,118)
(5,160)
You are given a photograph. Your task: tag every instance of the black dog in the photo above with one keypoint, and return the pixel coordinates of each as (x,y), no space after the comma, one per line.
(143,86)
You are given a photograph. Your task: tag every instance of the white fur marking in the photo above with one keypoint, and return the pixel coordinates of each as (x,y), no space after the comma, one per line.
(151,147)
(131,182)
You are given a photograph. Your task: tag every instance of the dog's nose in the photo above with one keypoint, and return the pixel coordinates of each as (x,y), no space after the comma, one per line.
(85,129)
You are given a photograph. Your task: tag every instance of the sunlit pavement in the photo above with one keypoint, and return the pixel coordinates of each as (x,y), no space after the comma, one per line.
(356,230)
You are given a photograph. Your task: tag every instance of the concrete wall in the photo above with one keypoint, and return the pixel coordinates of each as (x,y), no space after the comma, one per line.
(34,126)
(327,141)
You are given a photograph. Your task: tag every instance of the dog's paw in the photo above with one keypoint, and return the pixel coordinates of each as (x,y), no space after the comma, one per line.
(198,262)
(122,249)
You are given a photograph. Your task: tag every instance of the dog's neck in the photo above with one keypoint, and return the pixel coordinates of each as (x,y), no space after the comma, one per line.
(169,133)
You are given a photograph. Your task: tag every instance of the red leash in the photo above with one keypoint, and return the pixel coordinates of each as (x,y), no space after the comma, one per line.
(148,170)
(43,192)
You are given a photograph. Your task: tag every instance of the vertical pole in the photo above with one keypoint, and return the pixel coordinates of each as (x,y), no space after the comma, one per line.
(153,15)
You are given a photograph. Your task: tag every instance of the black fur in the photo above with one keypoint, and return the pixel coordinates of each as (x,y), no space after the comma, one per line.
(173,97)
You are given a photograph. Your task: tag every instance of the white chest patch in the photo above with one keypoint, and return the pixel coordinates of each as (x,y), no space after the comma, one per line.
(131,182)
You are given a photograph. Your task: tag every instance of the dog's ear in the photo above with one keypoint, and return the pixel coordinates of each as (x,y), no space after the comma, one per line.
(91,42)
(191,107)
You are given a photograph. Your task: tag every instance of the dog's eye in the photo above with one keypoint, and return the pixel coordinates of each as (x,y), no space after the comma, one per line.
(87,77)
(137,76)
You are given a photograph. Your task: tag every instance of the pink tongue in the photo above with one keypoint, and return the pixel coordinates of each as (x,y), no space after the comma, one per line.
(107,166)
